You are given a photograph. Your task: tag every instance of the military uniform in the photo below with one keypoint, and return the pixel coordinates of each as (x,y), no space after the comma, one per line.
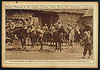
(52,28)
(8,23)
(45,28)
(88,44)
(69,27)
(20,23)
(33,28)
(24,23)
(58,25)
(12,25)
(71,37)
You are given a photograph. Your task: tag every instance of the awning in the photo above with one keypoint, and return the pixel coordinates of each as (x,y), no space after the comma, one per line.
(17,17)
(88,13)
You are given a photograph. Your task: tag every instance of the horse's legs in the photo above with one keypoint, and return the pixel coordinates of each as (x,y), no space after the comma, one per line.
(27,41)
(22,43)
(79,42)
(72,43)
(46,41)
(62,43)
(37,41)
(53,42)
(41,43)
(60,47)
(56,46)
(32,43)
(34,40)
(69,43)
(50,40)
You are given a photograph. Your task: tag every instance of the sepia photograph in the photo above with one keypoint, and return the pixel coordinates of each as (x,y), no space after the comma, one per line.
(50,35)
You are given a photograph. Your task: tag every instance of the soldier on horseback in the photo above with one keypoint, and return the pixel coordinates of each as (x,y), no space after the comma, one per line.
(45,28)
(24,23)
(58,24)
(71,36)
(52,28)
(51,31)
(12,25)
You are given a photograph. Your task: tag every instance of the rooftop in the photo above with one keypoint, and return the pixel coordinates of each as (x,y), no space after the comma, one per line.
(74,11)
(88,13)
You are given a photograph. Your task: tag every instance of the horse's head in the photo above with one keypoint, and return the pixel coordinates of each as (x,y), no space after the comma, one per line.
(19,32)
(14,33)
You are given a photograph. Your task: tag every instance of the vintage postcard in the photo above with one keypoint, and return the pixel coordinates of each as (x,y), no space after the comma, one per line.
(49,34)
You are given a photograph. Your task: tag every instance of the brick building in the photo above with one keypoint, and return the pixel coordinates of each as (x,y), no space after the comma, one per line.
(46,16)
(87,19)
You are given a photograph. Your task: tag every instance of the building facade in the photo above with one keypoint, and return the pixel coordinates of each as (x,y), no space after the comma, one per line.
(87,19)
(46,16)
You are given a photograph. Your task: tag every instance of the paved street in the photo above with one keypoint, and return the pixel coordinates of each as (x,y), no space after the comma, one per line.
(47,53)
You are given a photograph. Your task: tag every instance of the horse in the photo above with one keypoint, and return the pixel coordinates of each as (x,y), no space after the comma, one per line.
(77,37)
(46,37)
(22,34)
(32,36)
(50,38)
(71,37)
(57,37)
(74,34)
(50,35)
(36,33)
(66,35)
